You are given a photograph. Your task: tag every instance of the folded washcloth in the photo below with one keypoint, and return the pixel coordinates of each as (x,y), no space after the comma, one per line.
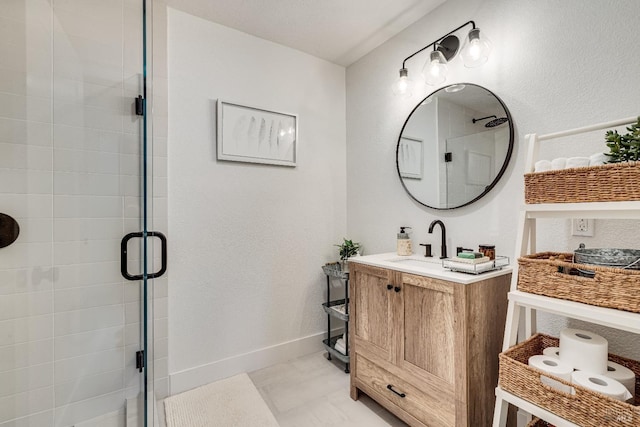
(598,159)
(542,166)
(340,346)
(470,255)
(471,260)
(577,162)
(559,163)
(471,268)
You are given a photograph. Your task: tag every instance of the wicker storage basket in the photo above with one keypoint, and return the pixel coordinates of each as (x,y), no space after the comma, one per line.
(609,287)
(585,408)
(614,182)
(537,422)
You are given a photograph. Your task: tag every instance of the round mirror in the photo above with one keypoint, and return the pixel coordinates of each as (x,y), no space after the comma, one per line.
(454,146)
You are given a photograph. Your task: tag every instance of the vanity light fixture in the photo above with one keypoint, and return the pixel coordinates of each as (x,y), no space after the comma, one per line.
(475,52)
(435,70)
(404,85)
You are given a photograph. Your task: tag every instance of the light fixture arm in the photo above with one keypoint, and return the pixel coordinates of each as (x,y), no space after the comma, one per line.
(473,26)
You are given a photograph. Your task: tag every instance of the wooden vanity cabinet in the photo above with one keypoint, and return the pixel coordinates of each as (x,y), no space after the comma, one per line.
(424,348)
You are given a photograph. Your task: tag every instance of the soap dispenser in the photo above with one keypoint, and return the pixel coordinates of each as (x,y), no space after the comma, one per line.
(404,243)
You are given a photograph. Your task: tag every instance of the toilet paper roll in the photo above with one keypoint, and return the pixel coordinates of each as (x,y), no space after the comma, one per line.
(559,163)
(577,162)
(601,384)
(624,375)
(598,159)
(552,352)
(542,166)
(555,367)
(584,350)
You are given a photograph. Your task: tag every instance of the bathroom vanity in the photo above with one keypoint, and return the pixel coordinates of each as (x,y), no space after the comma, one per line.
(425,340)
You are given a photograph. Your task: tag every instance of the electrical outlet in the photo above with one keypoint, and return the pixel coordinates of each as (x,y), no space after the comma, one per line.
(582,227)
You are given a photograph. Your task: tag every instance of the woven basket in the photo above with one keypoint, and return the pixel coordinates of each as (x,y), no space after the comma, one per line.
(610,287)
(614,182)
(537,422)
(585,408)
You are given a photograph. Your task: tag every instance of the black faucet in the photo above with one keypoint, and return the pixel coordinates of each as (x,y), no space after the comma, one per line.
(443,248)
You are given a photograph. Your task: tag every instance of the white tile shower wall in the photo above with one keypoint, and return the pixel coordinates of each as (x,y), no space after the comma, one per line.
(70,174)
(545,89)
(26,302)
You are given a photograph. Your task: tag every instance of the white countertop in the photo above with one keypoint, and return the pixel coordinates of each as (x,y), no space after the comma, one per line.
(422,266)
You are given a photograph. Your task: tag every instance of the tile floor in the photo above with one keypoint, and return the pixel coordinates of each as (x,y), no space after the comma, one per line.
(311,391)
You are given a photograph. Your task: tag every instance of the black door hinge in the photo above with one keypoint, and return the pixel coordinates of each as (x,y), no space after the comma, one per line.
(448,157)
(140,360)
(139,106)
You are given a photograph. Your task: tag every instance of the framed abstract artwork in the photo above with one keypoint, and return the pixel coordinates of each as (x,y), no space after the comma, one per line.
(255,135)
(410,158)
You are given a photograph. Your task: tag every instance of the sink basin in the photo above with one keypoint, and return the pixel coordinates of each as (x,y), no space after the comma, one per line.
(424,262)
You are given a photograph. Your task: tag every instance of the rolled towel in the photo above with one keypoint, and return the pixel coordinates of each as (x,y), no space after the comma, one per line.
(340,346)
(559,163)
(577,162)
(598,159)
(542,166)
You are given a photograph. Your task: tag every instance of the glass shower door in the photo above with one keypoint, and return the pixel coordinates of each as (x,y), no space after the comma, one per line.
(74,172)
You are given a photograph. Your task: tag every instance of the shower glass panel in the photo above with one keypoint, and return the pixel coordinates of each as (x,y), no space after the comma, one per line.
(74,167)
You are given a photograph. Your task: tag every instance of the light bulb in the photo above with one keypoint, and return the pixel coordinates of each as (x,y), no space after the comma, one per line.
(403,87)
(476,50)
(435,70)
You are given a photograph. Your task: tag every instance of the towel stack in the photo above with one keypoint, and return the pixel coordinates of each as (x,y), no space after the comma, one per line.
(341,345)
(596,159)
(471,262)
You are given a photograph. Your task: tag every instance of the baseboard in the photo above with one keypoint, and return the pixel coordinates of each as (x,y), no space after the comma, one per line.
(247,362)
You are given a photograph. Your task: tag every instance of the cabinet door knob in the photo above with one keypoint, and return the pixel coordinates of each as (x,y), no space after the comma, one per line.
(390,387)
(389,286)
(397,289)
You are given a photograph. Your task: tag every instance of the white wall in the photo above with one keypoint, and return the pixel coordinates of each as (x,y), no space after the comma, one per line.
(556,65)
(248,241)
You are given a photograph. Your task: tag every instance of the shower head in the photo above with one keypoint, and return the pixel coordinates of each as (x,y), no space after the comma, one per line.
(483,118)
(492,123)
(496,122)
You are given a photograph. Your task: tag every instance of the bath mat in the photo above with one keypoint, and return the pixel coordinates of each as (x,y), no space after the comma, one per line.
(232,402)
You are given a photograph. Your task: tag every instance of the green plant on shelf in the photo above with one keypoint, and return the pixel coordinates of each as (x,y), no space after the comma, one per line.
(624,147)
(348,248)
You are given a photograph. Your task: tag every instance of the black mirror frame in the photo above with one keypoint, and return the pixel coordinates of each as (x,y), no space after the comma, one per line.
(504,164)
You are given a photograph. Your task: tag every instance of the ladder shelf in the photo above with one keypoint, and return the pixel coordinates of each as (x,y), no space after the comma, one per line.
(618,319)
(531,303)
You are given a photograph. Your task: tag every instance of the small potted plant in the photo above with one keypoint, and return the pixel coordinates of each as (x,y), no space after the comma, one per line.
(626,147)
(348,248)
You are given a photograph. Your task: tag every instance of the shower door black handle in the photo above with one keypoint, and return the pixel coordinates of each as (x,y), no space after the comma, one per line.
(163,251)
(123,255)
